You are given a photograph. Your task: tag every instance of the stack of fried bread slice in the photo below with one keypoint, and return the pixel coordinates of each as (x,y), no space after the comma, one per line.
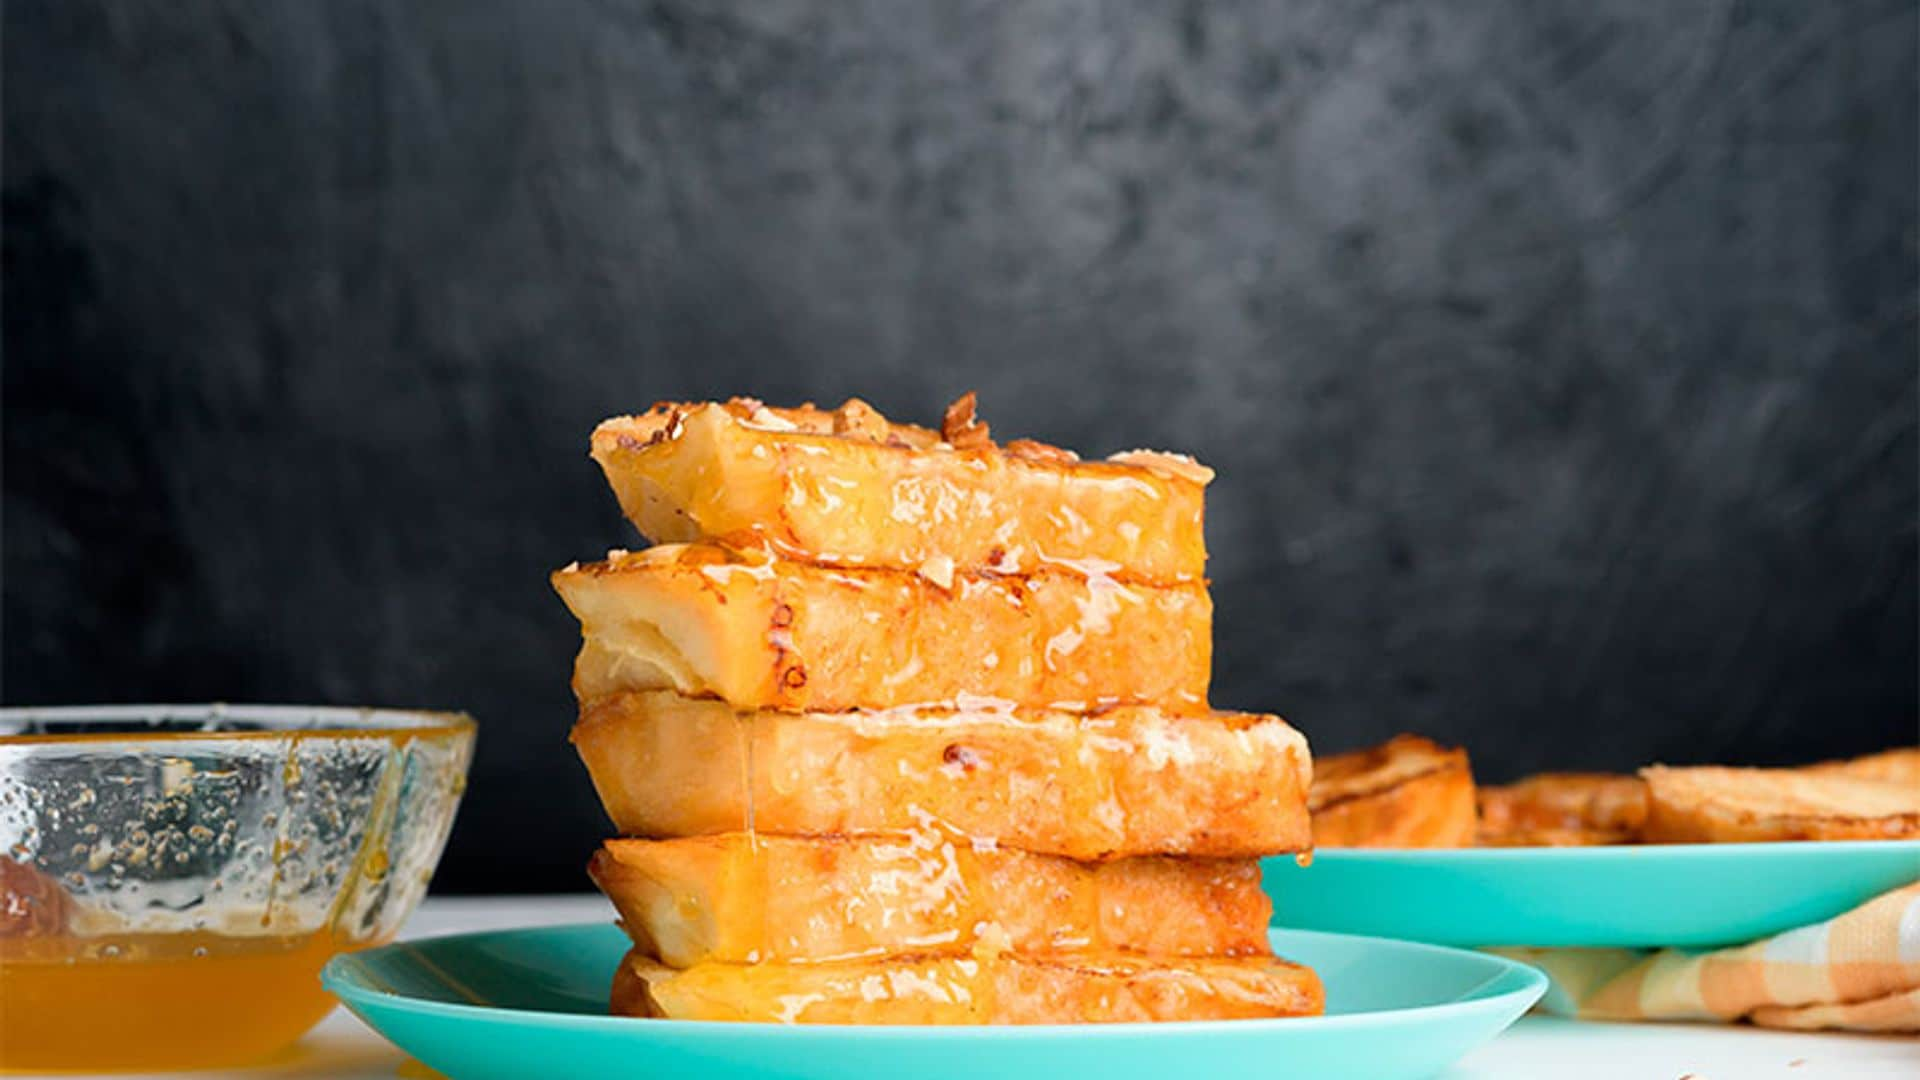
(903,726)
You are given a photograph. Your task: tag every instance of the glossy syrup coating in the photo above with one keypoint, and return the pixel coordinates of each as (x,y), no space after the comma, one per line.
(746,898)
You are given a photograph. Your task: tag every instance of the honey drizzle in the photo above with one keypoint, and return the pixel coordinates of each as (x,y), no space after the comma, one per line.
(746,730)
(754,879)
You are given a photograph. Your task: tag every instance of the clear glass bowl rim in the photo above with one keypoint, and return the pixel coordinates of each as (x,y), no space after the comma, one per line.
(266,723)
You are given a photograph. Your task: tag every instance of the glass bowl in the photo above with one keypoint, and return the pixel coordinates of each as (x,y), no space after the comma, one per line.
(172,878)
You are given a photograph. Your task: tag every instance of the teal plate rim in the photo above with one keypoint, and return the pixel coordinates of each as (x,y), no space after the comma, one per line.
(1622,896)
(342,976)
(1635,852)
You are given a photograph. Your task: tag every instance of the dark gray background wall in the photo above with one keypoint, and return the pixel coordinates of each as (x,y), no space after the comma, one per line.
(1558,358)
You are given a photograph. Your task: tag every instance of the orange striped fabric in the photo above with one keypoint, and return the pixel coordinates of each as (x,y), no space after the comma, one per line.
(1856,972)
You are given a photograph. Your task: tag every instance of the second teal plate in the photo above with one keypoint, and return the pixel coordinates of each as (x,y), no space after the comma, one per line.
(531,1004)
(1691,895)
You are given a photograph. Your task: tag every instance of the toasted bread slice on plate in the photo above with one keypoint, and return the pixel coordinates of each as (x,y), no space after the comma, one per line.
(989,988)
(1563,810)
(741,899)
(849,487)
(1128,781)
(1408,793)
(768,633)
(1711,804)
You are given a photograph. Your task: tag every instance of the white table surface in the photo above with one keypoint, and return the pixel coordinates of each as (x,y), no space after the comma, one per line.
(342,1048)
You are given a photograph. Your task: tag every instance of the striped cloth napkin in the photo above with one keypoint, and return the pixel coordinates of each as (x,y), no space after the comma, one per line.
(1856,972)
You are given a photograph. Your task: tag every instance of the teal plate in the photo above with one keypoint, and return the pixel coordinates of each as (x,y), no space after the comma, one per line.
(526,1004)
(1690,895)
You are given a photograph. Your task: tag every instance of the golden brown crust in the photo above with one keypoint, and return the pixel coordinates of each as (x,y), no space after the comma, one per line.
(767,633)
(741,899)
(1408,793)
(1553,837)
(628,995)
(984,989)
(850,488)
(854,420)
(1563,810)
(1129,781)
(1711,804)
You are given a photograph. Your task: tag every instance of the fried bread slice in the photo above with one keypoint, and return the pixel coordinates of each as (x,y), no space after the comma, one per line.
(987,988)
(849,487)
(1407,793)
(744,899)
(1712,804)
(767,633)
(1564,810)
(1127,781)
(1901,765)
(1545,836)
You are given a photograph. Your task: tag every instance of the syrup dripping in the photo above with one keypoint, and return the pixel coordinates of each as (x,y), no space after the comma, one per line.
(746,730)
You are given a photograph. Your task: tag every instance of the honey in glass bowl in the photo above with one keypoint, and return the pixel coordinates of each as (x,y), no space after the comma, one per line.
(172,879)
